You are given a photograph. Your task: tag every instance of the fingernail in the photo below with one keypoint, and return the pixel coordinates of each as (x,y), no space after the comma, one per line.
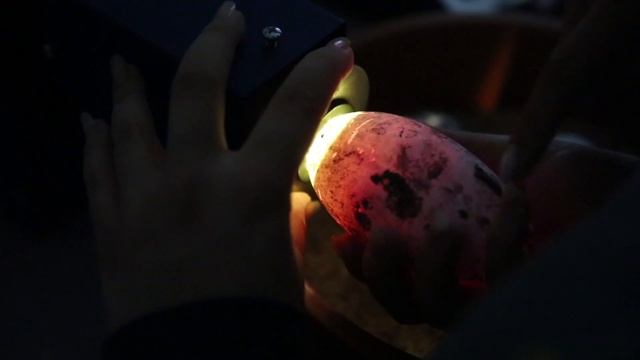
(87,121)
(341,44)
(509,164)
(226,9)
(117,66)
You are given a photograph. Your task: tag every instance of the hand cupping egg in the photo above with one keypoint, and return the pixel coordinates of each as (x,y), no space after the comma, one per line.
(381,171)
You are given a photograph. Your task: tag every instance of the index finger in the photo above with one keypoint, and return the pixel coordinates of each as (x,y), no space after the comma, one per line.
(196,115)
(285,130)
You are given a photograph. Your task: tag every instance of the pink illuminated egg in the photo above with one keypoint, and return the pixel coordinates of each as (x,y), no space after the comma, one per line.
(381,171)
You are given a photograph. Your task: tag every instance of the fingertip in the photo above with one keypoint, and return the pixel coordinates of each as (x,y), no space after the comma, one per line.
(300,197)
(92,127)
(126,76)
(240,22)
(125,79)
(298,223)
(339,52)
(229,16)
(227,9)
(118,67)
(87,122)
(341,44)
(238,25)
(96,130)
(117,62)
(343,47)
(134,75)
(299,203)
(313,207)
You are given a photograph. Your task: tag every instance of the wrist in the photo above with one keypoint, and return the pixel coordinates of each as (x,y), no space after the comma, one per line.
(134,294)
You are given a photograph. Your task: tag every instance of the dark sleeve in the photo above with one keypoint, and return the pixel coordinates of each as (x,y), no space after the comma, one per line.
(578,300)
(225,329)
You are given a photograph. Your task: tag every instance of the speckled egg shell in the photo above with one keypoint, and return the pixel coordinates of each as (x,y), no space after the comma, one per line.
(389,172)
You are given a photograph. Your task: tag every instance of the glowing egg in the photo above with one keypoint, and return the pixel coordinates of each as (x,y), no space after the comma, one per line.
(381,171)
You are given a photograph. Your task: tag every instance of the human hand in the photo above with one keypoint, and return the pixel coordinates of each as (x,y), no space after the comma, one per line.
(570,182)
(194,220)
(592,76)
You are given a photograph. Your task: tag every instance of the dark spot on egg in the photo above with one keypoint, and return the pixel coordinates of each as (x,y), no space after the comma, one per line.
(363,220)
(366,204)
(401,199)
(463,214)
